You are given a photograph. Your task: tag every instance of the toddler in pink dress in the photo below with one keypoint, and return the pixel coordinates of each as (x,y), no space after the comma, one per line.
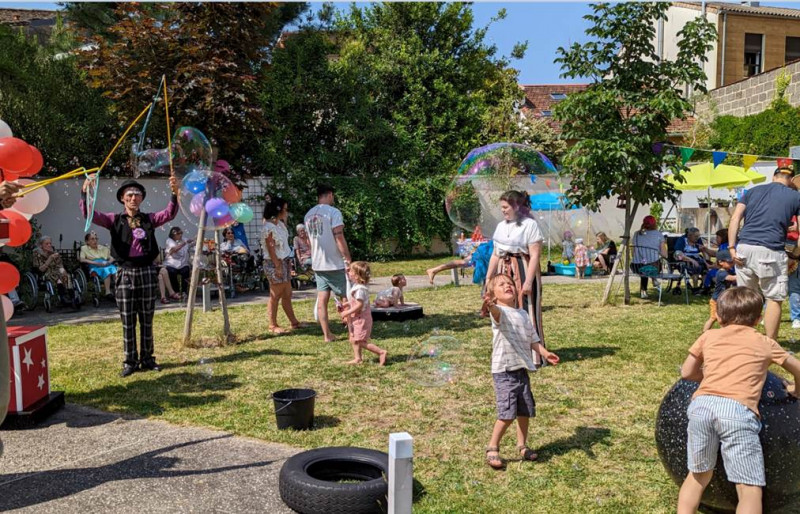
(581,258)
(357,314)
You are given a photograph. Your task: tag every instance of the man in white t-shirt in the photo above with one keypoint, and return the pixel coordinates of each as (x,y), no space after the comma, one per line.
(330,256)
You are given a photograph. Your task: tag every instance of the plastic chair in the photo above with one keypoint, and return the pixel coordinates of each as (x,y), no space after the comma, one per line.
(650,263)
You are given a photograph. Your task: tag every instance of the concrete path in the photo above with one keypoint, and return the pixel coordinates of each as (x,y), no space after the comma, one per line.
(84,460)
(108,310)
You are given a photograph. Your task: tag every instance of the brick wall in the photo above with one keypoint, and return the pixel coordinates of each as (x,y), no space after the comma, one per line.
(751,96)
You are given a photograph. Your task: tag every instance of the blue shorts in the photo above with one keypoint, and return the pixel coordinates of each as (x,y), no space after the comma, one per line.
(512,391)
(335,281)
(714,420)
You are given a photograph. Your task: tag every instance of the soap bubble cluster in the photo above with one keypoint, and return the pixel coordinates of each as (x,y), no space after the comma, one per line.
(431,364)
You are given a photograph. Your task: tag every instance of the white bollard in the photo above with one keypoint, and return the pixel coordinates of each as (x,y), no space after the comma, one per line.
(207,297)
(401,473)
(454,272)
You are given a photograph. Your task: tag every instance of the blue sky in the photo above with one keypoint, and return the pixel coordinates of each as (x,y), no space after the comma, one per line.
(545,25)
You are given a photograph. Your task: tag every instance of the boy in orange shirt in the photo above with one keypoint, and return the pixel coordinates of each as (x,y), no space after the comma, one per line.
(731,365)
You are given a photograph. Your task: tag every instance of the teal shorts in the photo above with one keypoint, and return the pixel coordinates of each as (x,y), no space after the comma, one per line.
(335,281)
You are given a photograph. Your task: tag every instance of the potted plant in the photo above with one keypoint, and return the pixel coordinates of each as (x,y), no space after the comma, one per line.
(703,202)
(722,202)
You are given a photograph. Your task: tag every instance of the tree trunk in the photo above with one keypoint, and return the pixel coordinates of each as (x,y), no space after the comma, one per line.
(630,212)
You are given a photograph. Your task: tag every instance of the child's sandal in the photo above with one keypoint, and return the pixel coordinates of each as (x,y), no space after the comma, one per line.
(494,461)
(527,454)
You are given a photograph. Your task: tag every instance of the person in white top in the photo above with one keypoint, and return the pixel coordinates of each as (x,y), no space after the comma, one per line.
(176,260)
(517,248)
(330,256)
(277,257)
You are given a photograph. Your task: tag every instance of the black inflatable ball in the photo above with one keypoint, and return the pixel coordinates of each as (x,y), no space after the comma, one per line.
(780,440)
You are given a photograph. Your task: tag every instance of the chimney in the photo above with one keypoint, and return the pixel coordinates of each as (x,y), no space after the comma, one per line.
(751,4)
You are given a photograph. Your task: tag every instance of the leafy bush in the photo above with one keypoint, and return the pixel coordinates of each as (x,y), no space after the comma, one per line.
(770,132)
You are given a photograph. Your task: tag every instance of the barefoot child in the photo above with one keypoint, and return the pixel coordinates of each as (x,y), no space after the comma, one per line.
(357,314)
(724,279)
(394,295)
(513,341)
(731,365)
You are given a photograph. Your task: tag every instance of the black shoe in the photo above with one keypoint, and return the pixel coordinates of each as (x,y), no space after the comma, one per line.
(677,291)
(150,366)
(127,370)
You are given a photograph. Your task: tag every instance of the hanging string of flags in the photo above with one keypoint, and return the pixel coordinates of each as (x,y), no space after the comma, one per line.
(718,156)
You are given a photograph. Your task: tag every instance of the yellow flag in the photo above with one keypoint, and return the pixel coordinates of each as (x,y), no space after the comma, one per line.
(748,160)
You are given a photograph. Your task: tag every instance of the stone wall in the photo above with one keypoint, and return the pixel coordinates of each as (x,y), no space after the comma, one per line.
(750,96)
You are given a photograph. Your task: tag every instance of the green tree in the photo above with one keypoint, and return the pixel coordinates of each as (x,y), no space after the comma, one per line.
(383,103)
(632,99)
(213,55)
(47,103)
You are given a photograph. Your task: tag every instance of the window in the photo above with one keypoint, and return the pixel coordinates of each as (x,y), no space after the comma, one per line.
(792,49)
(547,113)
(558,96)
(753,45)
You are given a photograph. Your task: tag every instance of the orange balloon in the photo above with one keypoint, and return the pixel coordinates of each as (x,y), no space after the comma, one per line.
(232,194)
(9,277)
(36,163)
(19,229)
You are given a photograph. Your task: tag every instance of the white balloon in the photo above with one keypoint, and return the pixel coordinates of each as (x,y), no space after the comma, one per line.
(5,130)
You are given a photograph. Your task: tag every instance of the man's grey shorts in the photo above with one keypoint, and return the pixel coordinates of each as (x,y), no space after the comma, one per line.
(714,420)
(764,270)
(512,391)
(335,281)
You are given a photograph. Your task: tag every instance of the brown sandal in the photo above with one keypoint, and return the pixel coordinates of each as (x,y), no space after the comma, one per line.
(494,461)
(527,454)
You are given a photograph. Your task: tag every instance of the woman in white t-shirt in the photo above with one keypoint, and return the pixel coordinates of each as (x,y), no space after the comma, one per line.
(517,247)
(277,255)
(176,260)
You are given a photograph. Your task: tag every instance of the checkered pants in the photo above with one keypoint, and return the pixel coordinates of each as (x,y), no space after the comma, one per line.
(137,290)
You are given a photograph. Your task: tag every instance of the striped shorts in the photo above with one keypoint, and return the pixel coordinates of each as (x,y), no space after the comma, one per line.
(714,420)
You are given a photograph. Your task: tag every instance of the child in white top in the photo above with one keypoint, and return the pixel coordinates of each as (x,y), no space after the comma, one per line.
(357,314)
(394,295)
(513,341)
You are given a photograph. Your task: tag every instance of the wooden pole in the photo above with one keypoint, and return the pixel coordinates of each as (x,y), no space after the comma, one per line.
(198,247)
(223,303)
(401,473)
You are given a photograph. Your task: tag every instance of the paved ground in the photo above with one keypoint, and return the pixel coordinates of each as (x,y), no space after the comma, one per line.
(108,310)
(84,460)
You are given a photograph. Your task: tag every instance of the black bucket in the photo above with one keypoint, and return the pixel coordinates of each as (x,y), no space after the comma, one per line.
(294,408)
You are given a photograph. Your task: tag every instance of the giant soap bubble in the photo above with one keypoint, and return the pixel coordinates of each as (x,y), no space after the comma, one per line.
(433,362)
(780,441)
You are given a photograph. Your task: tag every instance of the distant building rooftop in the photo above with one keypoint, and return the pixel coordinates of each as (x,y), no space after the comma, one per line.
(744,8)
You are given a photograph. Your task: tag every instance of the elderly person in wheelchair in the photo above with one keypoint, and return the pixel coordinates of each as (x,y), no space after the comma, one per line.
(99,261)
(302,248)
(48,262)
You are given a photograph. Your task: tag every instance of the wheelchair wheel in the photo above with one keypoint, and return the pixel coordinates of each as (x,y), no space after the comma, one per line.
(79,280)
(29,290)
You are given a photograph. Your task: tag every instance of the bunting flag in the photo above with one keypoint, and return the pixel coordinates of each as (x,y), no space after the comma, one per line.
(657,147)
(718,157)
(748,160)
(785,163)
(686,154)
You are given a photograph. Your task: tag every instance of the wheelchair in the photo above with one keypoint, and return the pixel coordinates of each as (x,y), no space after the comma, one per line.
(240,273)
(90,283)
(34,289)
(301,275)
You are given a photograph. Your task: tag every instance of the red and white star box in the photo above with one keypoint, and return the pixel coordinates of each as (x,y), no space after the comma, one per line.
(30,376)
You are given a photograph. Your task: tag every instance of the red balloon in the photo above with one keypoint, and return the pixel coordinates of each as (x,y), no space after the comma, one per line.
(36,163)
(20,228)
(15,154)
(9,277)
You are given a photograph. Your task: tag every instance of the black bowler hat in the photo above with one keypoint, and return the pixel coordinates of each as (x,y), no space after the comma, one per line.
(130,183)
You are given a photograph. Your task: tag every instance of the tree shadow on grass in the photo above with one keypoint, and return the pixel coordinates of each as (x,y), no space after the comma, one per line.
(235,357)
(577,353)
(20,490)
(153,397)
(583,439)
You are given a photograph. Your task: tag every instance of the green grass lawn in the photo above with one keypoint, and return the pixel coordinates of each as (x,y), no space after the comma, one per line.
(414,266)
(596,410)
